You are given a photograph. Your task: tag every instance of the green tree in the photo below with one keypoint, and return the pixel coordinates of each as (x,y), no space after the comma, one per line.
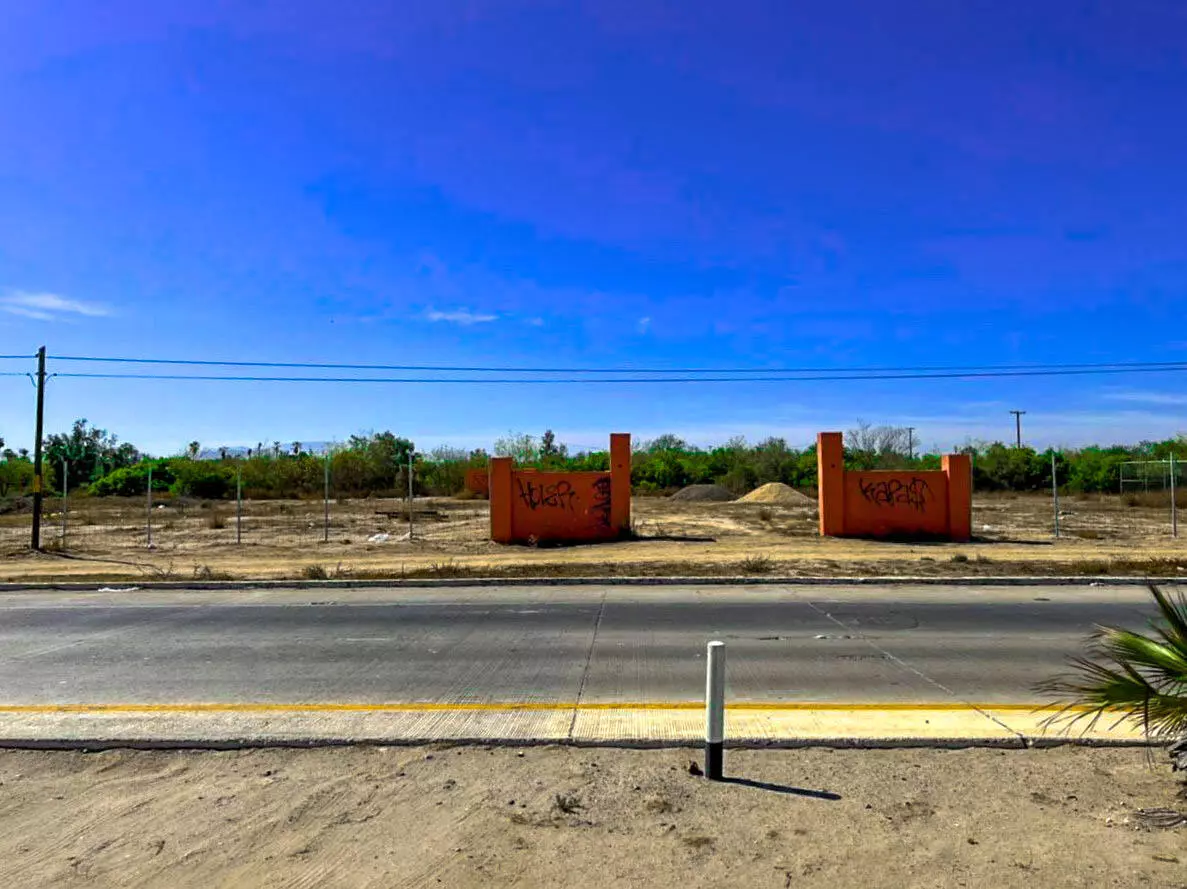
(16,475)
(665,442)
(522,448)
(89,452)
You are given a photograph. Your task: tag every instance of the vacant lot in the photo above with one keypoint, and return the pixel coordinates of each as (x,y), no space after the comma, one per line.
(107,540)
(544,817)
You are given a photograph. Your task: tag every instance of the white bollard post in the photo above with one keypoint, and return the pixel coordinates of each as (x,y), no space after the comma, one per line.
(714,709)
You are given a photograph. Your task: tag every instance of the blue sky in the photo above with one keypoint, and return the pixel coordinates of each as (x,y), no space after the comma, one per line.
(600,184)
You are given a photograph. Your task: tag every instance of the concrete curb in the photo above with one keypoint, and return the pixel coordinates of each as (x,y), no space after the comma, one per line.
(455,582)
(89,745)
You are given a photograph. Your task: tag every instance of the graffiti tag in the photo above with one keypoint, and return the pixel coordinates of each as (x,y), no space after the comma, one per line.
(559,495)
(893,492)
(601,505)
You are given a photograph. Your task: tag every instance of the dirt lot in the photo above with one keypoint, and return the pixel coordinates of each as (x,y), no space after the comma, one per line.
(107,540)
(544,817)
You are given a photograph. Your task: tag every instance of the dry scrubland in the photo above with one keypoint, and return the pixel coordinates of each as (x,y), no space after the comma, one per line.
(554,816)
(283,539)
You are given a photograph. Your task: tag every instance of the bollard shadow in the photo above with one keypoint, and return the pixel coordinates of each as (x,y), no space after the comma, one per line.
(781,788)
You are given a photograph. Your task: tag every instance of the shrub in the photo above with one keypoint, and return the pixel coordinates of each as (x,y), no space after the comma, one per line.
(757,565)
(132,481)
(202,478)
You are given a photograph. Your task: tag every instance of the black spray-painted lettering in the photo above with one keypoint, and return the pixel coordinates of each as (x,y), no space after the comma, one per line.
(601,505)
(559,495)
(892,492)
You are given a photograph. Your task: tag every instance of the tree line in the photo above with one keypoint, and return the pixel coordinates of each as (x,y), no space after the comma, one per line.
(88,459)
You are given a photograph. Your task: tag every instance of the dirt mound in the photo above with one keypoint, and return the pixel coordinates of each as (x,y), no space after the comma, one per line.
(778,494)
(705,493)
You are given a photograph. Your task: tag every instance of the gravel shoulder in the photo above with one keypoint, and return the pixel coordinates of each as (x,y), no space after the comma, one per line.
(563,816)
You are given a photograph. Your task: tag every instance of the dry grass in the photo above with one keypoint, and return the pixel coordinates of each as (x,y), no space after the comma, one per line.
(283,539)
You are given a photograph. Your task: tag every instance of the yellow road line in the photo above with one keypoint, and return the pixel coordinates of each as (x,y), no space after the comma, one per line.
(534,706)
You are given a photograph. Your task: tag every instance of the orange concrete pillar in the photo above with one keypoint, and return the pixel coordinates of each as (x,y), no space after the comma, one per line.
(620,481)
(830,483)
(500,499)
(959,469)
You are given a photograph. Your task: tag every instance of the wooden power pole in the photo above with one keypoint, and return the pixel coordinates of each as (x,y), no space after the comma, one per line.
(1018,428)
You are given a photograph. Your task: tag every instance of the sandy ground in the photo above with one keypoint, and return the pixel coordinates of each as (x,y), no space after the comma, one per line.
(107,540)
(544,817)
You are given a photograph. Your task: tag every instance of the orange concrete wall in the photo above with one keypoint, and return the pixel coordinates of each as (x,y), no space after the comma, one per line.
(501,471)
(478,482)
(887,503)
(959,469)
(884,503)
(528,506)
(830,482)
(561,506)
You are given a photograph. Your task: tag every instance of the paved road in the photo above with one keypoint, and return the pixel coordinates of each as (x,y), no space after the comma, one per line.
(617,644)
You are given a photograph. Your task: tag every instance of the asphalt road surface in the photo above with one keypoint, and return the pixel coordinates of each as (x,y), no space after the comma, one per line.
(547,644)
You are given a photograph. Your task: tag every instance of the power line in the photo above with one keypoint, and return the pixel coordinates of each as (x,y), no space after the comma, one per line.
(612,370)
(628,380)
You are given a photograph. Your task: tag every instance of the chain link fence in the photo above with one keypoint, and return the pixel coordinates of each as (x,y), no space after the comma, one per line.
(192,528)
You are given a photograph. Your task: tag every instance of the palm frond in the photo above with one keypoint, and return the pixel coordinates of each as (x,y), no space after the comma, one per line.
(1173,610)
(1137,678)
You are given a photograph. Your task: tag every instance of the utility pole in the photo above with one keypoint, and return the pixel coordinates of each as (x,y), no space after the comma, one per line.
(1018,427)
(40,429)
(910,442)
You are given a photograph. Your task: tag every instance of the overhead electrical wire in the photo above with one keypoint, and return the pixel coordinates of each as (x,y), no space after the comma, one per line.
(431,368)
(632,376)
(819,377)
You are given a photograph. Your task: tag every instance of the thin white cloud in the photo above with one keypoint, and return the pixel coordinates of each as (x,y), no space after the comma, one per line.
(534,322)
(1133,396)
(48,306)
(644,324)
(463,317)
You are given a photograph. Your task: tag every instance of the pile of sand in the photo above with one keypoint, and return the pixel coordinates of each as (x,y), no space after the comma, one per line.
(706,493)
(778,494)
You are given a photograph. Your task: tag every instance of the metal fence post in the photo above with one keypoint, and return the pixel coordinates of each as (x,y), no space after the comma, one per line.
(1174,506)
(410,496)
(148,520)
(1055,493)
(326,533)
(238,504)
(65,496)
(714,710)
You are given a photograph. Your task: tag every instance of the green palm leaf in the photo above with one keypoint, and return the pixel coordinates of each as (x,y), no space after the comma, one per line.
(1135,677)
